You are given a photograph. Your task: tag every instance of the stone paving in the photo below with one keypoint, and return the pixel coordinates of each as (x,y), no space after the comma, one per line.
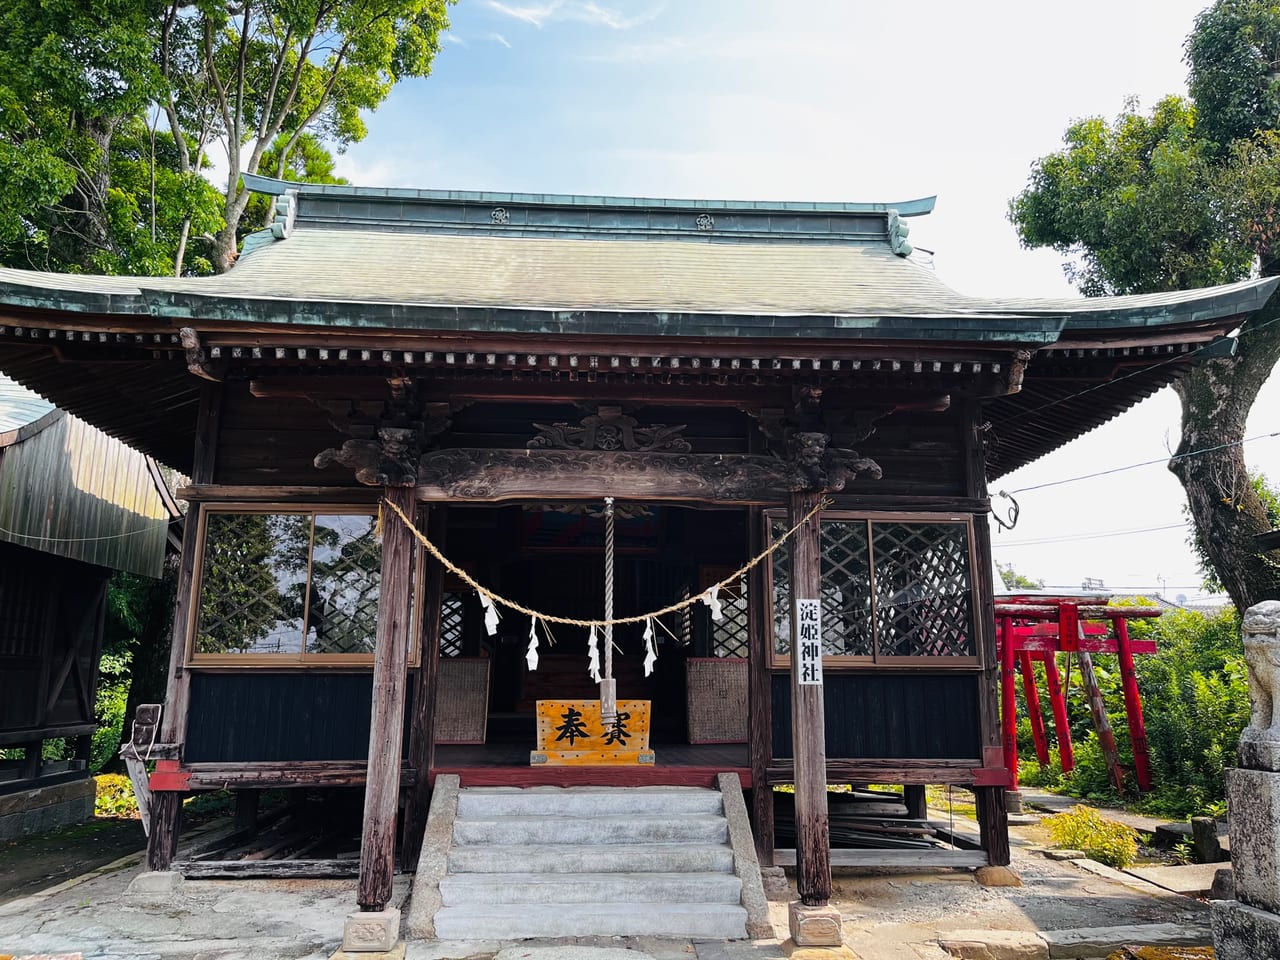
(886,915)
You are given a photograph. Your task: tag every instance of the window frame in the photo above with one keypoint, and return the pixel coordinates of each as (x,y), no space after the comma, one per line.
(782,661)
(302,659)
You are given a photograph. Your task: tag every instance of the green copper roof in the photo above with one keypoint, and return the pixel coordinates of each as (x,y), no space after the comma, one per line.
(548,264)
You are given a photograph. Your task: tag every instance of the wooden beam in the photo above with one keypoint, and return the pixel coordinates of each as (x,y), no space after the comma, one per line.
(808,728)
(892,858)
(386,723)
(281,774)
(141,790)
(422,727)
(270,869)
(887,771)
(759,693)
(162,839)
(491,476)
(993,824)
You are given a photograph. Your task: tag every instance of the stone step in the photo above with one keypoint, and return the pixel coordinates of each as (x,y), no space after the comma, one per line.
(499,922)
(592,858)
(489,802)
(633,829)
(494,888)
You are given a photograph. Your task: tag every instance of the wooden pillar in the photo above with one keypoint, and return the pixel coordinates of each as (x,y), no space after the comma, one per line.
(760,692)
(1028,670)
(247,802)
(1133,706)
(1008,702)
(1058,703)
(1101,723)
(913,796)
(808,731)
(993,824)
(386,723)
(162,840)
(166,808)
(422,741)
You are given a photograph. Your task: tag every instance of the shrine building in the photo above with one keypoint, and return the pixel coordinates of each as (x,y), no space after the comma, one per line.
(781,381)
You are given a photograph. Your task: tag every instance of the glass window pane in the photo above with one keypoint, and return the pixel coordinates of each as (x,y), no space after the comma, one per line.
(253,582)
(924,603)
(346,569)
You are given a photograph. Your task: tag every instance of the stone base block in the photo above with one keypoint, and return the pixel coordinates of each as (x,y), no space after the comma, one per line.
(776,886)
(1253,796)
(1259,754)
(155,885)
(814,926)
(1241,932)
(1013,801)
(372,932)
(796,952)
(997,877)
(396,953)
(994,945)
(42,809)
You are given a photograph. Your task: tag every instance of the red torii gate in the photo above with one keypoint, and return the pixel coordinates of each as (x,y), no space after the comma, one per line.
(1031,628)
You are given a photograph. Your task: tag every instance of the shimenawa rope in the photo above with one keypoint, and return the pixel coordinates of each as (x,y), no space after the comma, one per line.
(492,597)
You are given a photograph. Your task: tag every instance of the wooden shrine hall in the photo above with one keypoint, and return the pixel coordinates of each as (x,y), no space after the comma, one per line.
(491,367)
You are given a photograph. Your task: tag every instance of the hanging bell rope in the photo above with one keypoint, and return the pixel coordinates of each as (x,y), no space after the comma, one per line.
(608,689)
(546,618)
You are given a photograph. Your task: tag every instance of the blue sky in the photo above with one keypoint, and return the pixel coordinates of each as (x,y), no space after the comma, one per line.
(832,100)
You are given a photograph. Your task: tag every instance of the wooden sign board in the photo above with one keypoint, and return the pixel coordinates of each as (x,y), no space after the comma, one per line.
(570,732)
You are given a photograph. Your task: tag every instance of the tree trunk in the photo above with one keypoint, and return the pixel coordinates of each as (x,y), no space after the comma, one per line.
(1216,397)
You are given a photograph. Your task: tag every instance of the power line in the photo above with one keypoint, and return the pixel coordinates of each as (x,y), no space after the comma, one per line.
(1073,538)
(1148,463)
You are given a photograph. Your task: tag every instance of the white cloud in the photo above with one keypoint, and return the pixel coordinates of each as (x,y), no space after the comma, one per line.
(450,37)
(499,38)
(580,11)
(641,52)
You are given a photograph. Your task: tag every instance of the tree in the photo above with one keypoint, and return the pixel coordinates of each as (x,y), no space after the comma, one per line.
(70,74)
(248,72)
(1013,580)
(1152,203)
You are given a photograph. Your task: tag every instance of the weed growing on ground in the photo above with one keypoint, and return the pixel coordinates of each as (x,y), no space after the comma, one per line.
(1101,839)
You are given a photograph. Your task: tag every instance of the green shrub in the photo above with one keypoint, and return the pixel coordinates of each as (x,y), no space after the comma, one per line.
(1083,828)
(114,796)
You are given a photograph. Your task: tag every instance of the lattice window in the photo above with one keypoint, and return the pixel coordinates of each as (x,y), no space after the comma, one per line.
(916,602)
(730,636)
(846,590)
(346,572)
(452,620)
(924,597)
(297,584)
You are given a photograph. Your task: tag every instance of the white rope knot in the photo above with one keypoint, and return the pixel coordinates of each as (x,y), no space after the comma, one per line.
(712,599)
(531,655)
(491,614)
(593,655)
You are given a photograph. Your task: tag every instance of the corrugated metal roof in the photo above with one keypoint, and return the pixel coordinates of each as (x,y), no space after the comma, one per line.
(19,407)
(72,491)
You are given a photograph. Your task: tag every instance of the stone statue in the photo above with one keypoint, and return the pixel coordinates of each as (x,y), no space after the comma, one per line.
(1260,740)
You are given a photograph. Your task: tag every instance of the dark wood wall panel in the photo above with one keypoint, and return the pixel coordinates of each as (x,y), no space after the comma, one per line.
(274,441)
(881,715)
(250,717)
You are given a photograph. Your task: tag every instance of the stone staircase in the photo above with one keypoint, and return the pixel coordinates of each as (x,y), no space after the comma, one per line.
(590,861)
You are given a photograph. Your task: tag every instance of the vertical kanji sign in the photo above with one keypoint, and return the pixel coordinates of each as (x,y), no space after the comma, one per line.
(809,649)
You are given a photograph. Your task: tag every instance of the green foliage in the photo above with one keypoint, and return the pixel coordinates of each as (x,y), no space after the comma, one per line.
(112,699)
(1232,55)
(1083,828)
(1195,702)
(1132,202)
(1013,580)
(114,796)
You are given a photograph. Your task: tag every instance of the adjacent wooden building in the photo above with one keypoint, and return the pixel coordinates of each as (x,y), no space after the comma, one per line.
(494,365)
(75,506)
